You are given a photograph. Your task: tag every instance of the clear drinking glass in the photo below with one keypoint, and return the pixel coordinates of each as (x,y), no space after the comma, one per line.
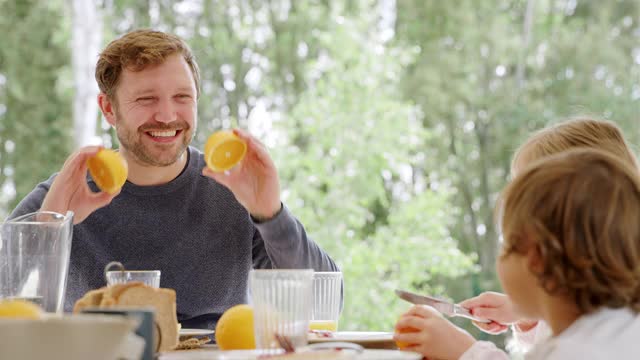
(281,301)
(325,311)
(149,277)
(122,276)
(34,258)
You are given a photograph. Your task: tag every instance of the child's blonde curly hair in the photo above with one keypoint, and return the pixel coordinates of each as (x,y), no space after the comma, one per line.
(580,132)
(580,210)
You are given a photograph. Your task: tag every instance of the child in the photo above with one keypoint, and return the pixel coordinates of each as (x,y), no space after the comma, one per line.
(589,133)
(439,339)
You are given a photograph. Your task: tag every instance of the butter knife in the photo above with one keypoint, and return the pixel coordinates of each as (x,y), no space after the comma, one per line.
(443,306)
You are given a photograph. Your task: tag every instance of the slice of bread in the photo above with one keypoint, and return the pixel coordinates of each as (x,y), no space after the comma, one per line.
(164,302)
(138,295)
(90,299)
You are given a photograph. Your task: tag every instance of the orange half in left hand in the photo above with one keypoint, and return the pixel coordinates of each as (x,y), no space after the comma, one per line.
(224,150)
(108,169)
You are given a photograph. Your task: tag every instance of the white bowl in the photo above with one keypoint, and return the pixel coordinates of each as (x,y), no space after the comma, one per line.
(70,337)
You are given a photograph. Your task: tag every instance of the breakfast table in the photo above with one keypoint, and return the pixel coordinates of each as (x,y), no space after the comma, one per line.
(376,346)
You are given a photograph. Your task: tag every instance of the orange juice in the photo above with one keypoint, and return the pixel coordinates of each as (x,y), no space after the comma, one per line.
(328,325)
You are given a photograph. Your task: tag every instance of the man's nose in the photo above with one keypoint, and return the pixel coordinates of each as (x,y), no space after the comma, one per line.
(166,112)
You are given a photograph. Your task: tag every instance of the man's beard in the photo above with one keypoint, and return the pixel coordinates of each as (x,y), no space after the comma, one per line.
(131,140)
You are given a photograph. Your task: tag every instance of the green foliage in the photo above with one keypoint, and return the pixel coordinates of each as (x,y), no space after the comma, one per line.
(347,157)
(485,80)
(413,251)
(391,149)
(35,133)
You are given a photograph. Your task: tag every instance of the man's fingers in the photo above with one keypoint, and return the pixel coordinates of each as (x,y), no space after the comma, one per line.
(212,174)
(91,150)
(223,178)
(254,145)
(78,161)
(74,170)
(102,198)
(86,153)
(242,134)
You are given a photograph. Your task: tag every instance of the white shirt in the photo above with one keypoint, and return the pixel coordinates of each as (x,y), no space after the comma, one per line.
(523,341)
(605,334)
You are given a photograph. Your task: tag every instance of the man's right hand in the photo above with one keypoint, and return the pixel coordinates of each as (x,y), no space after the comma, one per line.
(70,190)
(496,307)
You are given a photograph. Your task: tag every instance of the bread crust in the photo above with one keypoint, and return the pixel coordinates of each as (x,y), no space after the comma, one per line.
(138,295)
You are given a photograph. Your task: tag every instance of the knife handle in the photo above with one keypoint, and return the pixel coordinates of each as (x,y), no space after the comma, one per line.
(465,313)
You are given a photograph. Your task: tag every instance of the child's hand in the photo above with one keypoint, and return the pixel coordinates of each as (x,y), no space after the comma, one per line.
(495,307)
(435,338)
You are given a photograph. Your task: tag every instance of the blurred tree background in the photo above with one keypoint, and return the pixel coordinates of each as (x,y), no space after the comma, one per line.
(392,122)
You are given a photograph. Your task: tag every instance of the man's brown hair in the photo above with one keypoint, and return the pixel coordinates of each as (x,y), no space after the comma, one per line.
(579,132)
(136,51)
(580,210)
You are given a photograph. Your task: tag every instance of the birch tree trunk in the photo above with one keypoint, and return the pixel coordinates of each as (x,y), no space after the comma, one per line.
(526,40)
(86,40)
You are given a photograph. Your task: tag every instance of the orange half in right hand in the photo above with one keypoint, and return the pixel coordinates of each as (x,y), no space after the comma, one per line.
(224,150)
(109,170)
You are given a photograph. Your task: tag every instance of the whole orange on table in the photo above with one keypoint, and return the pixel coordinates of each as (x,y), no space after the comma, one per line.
(108,169)
(234,330)
(19,309)
(224,150)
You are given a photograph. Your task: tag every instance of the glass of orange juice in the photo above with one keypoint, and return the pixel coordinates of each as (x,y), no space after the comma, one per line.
(281,301)
(325,310)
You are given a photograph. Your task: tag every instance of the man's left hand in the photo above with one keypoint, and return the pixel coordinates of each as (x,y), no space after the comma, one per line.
(254,181)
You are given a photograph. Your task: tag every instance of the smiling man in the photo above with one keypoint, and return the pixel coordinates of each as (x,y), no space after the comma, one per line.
(203,230)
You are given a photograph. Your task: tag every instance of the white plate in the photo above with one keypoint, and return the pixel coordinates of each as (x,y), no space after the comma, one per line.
(370,354)
(195,332)
(254,355)
(358,337)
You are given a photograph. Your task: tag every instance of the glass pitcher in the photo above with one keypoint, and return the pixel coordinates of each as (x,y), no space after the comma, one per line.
(34,258)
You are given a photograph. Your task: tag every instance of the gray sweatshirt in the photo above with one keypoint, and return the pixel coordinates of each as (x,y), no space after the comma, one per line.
(194,231)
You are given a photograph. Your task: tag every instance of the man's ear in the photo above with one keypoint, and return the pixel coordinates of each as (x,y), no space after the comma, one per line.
(107,108)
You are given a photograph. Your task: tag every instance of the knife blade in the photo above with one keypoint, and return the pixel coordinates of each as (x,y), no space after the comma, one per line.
(443,306)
